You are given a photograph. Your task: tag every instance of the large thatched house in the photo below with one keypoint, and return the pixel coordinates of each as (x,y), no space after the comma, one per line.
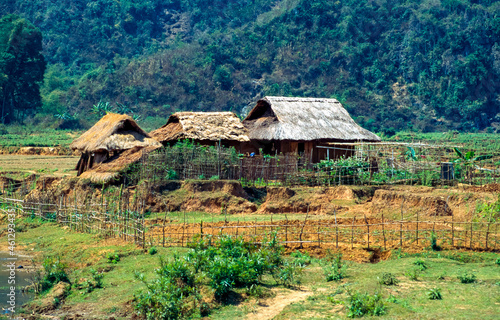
(205,128)
(109,137)
(300,125)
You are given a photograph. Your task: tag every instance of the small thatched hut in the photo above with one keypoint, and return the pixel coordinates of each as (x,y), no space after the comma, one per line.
(205,128)
(300,125)
(110,136)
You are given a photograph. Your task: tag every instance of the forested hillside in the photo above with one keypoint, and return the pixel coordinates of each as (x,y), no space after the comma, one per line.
(416,65)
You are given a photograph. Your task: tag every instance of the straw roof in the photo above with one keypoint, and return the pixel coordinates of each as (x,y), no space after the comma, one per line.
(111,169)
(113,132)
(303,119)
(211,126)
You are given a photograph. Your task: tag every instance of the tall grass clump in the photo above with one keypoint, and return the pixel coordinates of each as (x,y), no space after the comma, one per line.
(335,269)
(360,305)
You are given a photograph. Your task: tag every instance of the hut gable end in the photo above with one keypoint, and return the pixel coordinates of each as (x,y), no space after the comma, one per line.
(303,119)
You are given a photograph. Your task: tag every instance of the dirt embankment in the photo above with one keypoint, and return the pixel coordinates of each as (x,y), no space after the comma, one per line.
(42,151)
(231,198)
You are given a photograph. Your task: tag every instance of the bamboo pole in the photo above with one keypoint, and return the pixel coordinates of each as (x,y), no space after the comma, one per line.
(368,230)
(336,230)
(383,231)
(352,234)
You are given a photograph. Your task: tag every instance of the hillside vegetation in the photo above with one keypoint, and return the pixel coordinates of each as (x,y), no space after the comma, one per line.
(414,65)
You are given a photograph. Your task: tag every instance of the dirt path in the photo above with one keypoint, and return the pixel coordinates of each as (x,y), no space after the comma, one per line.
(274,306)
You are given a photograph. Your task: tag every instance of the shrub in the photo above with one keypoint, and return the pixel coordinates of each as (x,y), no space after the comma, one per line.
(434,245)
(388,279)
(301,259)
(421,264)
(434,294)
(365,304)
(336,269)
(113,258)
(153,251)
(54,272)
(288,275)
(498,261)
(173,295)
(467,277)
(96,281)
(412,274)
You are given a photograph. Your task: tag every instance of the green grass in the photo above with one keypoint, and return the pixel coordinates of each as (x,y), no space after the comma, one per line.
(407,299)
(27,136)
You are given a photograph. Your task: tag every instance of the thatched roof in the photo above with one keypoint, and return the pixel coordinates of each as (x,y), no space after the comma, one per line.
(113,132)
(211,126)
(111,169)
(303,119)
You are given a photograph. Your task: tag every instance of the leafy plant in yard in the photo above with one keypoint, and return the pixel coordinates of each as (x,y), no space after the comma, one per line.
(336,269)
(434,245)
(54,272)
(172,295)
(152,251)
(96,281)
(113,258)
(412,274)
(301,259)
(498,261)
(289,274)
(421,264)
(360,305)
(388,279)
(434,294)
(467,277)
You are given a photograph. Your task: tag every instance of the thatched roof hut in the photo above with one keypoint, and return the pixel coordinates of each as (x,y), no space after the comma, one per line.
(203,127)
(284,124)
(107,171)
(303,119)
(111,135)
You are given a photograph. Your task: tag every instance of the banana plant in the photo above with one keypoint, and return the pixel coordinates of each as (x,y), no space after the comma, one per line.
(469,160)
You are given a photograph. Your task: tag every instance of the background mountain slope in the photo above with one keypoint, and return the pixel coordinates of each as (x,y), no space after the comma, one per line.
(419,65)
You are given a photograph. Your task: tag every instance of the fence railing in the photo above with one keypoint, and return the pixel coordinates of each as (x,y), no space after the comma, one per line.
(89,217)
(371,164)
(310,231)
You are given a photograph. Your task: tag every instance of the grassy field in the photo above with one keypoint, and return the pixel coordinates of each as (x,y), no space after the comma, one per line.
(26,136)
(27,164)
(314,298)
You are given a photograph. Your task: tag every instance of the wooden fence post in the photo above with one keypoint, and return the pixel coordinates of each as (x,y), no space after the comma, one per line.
(368,231)
(470,235)
(383,231)
(452,232)
(336,230)
(416,233)
(487,233)
(401,228)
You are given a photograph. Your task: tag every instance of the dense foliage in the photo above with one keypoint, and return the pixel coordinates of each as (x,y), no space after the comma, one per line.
(420,65)
(22,66)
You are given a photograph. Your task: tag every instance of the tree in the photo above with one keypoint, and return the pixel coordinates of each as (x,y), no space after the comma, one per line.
(22,66)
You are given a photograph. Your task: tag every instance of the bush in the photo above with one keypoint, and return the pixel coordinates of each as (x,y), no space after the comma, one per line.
(96,281)
(434,245)
(412,274)
(113,258)
(54,272)
(336,269)
(467,277)
(288,275)
(498,261)
(173,295)
(434,294)
(365,304)
(233,263)
(301,259)
(388,279)
(153,251)
(421,264)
